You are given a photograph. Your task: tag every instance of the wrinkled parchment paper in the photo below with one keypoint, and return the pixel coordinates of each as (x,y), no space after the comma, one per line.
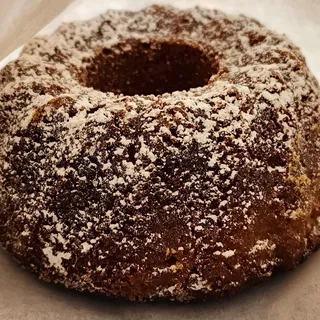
(293,296)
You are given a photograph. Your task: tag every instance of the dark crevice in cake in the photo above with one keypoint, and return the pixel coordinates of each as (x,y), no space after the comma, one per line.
(172,260)
(155,68)
(132,153)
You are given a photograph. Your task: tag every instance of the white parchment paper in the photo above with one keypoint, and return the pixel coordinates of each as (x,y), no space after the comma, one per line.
(21,19)
(293,296)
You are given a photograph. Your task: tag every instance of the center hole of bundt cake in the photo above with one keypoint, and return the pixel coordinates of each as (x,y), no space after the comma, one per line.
(155,68)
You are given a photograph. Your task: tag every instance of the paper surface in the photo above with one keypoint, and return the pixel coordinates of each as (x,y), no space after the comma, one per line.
(292,296)
(21,19)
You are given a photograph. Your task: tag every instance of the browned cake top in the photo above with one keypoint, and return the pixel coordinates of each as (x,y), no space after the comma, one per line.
(190,168)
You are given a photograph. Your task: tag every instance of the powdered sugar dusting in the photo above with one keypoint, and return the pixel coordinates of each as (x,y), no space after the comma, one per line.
(175,190)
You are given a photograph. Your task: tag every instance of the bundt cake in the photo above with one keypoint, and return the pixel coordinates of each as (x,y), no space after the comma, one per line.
(159,154)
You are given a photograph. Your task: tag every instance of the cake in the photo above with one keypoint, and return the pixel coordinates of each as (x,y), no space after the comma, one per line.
(159,154)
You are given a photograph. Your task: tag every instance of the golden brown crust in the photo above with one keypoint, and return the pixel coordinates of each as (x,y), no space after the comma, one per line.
(181,195)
